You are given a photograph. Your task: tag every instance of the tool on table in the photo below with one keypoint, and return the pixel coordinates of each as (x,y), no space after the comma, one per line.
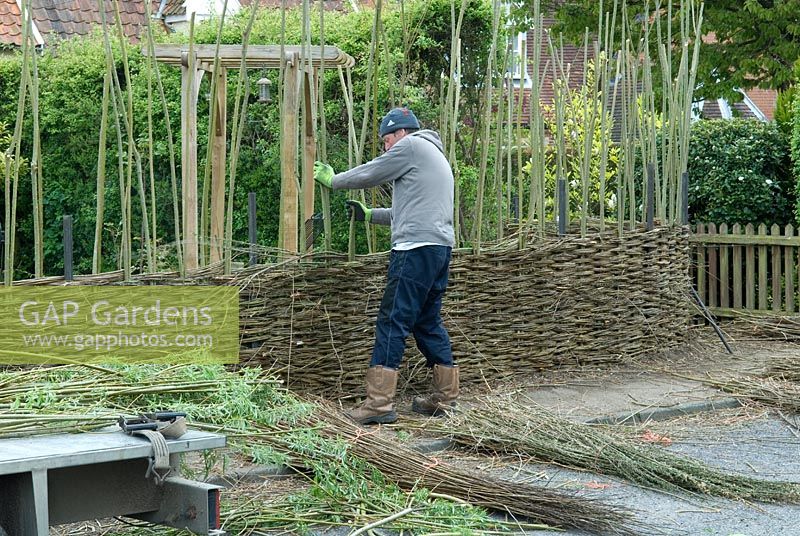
(156,427)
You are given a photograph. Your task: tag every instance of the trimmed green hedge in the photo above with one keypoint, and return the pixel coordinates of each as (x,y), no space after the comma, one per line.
(795,148)
(740,172)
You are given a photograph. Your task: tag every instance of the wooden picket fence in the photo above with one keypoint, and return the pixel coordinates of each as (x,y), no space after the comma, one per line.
(744,268)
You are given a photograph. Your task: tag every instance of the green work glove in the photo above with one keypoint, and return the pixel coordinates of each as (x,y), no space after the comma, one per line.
(359,210)
(323,174)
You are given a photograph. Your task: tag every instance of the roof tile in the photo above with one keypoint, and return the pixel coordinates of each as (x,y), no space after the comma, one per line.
(174,7)
(66,18)
(711,110)
(10,23)
(765,99)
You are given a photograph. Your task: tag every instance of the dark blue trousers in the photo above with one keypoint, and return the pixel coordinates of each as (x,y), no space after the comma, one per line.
(411,303)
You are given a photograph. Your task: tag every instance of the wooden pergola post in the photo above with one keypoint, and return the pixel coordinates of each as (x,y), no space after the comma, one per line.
(309,156)
(296,80)
(289,180)
(218,156)
(190,87)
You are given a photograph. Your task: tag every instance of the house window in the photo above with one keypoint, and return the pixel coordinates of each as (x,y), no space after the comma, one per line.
(518,49)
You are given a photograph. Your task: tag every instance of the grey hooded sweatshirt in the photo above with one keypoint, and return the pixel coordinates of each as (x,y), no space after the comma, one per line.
(422,198)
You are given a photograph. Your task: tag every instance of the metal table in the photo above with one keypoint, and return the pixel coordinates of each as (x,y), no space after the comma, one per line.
(64,478)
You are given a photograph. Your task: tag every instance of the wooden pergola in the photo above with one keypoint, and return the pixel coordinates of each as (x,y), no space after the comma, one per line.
(300,66)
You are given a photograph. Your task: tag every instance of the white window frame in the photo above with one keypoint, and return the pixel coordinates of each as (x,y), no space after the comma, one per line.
(520,79)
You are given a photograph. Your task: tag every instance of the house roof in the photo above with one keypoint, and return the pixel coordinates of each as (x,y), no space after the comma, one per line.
(173,7)
(67,18)
(10,23)
(176,8)
(765,99)
(330,5)
(756,104)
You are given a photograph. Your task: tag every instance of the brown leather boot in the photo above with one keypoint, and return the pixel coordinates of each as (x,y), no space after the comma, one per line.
(378,408)
(445,392)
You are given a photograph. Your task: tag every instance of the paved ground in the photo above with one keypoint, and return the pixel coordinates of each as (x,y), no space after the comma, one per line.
(702,422)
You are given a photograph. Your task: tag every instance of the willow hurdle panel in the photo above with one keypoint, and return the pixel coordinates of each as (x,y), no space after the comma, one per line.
(757,269)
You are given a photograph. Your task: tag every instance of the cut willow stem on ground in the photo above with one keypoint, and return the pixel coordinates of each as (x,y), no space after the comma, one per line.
(784,367)
(502,426)
(776,384)
(259,509)
(263,420)
(775,392)
(785,328)
(411,469)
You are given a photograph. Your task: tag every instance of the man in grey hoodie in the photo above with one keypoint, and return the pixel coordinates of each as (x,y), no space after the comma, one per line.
(421,218)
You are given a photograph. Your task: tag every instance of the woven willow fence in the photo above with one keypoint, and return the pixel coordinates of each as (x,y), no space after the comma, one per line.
(559,301)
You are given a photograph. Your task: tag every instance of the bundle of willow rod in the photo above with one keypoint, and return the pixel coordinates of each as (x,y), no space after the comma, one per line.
(73,398)
(258,416)
(410,469)
(776,384)
(768,326)
(258,510)
(784,366)
(501,426)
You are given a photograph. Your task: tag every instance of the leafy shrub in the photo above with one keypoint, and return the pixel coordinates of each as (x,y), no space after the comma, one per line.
(739,173)
(784,106)
(796,151)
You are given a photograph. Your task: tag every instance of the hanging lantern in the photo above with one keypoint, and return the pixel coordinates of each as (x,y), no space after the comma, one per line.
(264,85)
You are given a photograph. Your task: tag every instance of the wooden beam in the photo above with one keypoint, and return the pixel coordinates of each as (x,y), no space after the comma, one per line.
(289,141)
(746,240)
(726,312)
(258,56)
(218,155)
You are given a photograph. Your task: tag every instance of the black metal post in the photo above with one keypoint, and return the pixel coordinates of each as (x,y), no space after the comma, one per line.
(515,207)
(68,248)
(251,226)
(562,206)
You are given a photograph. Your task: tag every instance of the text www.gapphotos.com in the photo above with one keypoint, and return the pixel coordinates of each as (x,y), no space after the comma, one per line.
(118,341)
